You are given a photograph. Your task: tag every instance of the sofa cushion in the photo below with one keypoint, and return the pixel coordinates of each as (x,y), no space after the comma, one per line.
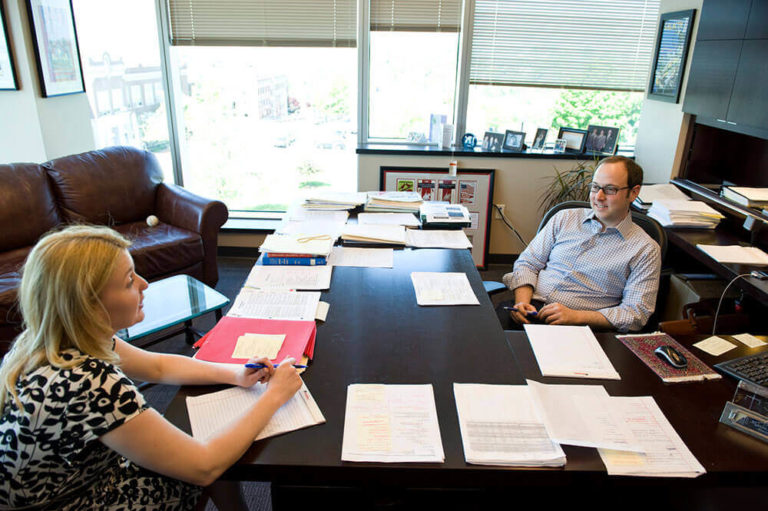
(10,280)
(111,186)
(161,250)
(28,209)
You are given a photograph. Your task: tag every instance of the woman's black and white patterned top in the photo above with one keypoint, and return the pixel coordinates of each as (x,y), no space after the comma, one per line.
(51,456)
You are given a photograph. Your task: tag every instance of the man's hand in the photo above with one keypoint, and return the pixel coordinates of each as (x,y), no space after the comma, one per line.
(520,316)
(559,314)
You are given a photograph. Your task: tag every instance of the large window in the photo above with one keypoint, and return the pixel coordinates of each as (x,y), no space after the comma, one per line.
(123,80)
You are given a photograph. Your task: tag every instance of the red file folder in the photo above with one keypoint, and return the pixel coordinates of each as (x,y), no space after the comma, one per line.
(219,344)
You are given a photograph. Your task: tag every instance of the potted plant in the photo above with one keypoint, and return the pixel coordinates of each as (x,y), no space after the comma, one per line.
(571,184)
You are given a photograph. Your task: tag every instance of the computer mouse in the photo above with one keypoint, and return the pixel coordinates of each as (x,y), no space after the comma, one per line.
(671,356)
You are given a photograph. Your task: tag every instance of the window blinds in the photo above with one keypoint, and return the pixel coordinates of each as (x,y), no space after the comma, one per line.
(263,22)
(600,44)
(416,15)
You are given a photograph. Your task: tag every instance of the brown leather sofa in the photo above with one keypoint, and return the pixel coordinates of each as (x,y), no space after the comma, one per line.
(119,187)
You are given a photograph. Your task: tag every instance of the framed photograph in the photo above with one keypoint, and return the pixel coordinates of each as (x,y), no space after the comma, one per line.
(601,139)
(574,138)
(513,141)
(540,140)
(671,53)
(492,142)
(56,50)
(560,144)
(7,70)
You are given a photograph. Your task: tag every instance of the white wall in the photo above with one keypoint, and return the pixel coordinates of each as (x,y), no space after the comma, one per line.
(664,126)
(33,128)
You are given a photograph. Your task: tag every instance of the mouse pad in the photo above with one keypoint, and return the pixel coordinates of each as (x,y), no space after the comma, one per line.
(643,345)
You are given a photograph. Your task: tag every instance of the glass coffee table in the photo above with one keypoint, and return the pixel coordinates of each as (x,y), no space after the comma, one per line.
(173,301)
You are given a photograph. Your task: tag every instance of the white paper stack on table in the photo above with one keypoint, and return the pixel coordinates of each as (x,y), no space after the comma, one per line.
(374,234)
(285,278)
(362,257)
(296,249)
(276,304)
(500,426)
(334,200)
(651,193)
(393,202)
(436,239)
(684,213)
(309,222)
(746,196)
(391,424)
(404,219)
(735,254)
(442,288)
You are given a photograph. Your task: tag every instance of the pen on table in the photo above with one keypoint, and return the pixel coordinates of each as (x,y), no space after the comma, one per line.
(262,366)
(529,313)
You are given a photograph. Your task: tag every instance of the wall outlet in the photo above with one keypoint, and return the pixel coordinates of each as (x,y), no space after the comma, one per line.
(497,213)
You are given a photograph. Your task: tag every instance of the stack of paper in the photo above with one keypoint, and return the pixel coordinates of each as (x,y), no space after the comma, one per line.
(436,239)
(651,193)
(404,219)
(751,197)
(211,413)
(310,278)
(391,424)
(393,202)
(334,200)
(684,213)
(500,426)
(374,234)
(296,249)
(310,223)
(362,257)
(275,304)
(570,351)
(735,254)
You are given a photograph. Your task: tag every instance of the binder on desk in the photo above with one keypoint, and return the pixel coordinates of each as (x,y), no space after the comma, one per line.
(219,344)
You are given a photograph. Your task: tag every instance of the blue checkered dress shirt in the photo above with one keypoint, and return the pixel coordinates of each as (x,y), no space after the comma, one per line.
(571,262)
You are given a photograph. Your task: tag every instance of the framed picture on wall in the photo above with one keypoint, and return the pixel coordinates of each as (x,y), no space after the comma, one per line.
(671,53)
(56,50)
(7,70)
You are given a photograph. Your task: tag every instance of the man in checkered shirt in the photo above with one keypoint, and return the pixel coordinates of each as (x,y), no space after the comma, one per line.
(591,267)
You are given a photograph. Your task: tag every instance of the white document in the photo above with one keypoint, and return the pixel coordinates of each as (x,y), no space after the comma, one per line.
(302,243)
(499,426)
(275,304)
(391,424)
(394,234)
(570,351)
(437,239)
(322,310)
(258,345)
(715,345)
(210,413)
(313,227)
(405,219)
(443,288)
(289,277)
(735,254)
(362,257)
(663,452)
(650,193)
(749,339)
(581,415)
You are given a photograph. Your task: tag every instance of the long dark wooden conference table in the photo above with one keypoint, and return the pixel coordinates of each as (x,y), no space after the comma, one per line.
(376,333)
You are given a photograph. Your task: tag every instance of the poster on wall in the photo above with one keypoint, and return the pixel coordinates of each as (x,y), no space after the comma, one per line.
(7,71)
(405,185)
(427,189)
(56,50)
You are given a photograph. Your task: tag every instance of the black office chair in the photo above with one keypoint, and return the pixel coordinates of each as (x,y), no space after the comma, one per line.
(654,230)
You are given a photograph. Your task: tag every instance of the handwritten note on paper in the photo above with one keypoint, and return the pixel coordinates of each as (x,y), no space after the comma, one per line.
(258,345)
(391,423)
(289,277)
(749,339)
(362,257)
(715,345)
(443,288)
(275,304)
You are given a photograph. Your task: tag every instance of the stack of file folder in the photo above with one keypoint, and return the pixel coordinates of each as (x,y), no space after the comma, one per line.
(296,249)
(393,202)
(651,193)
(373,235)
(684,213)
(334,201)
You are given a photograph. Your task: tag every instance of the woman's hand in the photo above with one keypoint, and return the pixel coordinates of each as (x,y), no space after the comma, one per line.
(247,377)
(285,381)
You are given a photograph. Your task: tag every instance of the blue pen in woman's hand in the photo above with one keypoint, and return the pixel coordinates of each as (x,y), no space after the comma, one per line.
(262,366)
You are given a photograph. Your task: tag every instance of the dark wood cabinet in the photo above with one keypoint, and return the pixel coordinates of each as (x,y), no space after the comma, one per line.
(711,77)
(723,19)
(749,99)
(757,26)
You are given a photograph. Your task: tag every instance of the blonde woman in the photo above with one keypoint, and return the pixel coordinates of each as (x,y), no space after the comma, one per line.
(75,433)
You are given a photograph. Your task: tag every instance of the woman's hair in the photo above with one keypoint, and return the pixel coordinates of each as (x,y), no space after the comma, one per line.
(59,297)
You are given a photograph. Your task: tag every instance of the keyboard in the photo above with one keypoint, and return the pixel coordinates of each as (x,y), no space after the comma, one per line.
(752,368)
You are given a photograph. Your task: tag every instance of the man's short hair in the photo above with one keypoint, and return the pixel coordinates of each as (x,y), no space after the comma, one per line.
(634,171)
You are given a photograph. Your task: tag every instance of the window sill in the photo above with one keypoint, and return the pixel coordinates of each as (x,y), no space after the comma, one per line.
(417,150)
(250,225)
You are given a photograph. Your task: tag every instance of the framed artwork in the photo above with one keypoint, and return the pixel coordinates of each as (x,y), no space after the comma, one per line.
(513,141)
(492,142)
(560,145)
(671,53)
(7,70)
(601,139)
(56,50)
(540,140)
(574,139)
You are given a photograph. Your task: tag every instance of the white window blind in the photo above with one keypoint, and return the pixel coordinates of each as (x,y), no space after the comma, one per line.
(263,22)
(416,15)
(600,44)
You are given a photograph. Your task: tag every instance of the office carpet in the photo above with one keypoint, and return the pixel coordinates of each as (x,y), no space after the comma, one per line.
(232,274)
